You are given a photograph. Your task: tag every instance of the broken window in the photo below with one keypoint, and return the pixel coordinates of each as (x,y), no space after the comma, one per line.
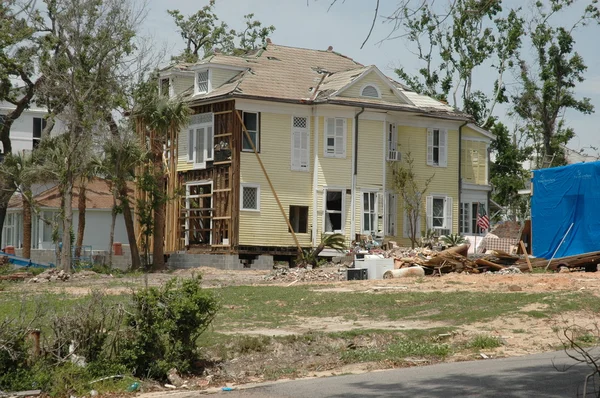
(299,219)
(39,124)
(252,123)
(165,87)
(250,197)
(334,210)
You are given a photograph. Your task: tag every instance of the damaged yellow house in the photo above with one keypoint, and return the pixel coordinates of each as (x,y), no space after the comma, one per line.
(328,130)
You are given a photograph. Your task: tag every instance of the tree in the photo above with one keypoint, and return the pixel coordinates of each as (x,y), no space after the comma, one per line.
(334,241)
(203,33)
(411,189)
(548,82)
(156,117)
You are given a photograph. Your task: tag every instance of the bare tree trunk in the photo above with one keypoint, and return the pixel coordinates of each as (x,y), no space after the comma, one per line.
(113,222)
(81,206)
(128,216)
(26,224)
(67,223)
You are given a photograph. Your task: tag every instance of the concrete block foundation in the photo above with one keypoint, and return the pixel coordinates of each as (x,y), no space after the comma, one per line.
(220,261)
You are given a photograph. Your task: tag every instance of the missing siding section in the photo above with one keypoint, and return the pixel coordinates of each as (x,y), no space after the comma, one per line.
(299,219)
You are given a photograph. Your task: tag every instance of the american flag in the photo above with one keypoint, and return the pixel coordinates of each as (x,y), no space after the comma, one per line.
(483,221)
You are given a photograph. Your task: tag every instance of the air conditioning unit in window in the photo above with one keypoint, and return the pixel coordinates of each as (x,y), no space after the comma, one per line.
(394,156)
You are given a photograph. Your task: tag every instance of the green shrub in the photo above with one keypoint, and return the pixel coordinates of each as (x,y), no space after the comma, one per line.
(165,324)
(484,342)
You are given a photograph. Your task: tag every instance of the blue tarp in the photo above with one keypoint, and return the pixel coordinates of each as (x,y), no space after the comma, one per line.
(565,196)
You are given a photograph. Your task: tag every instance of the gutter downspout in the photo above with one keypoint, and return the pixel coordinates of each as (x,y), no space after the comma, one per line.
(460,172)
(354,174)
(315,171)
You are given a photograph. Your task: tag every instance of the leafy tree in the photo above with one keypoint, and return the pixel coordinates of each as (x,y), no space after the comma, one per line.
(203,33)
(548,83)
(411,189)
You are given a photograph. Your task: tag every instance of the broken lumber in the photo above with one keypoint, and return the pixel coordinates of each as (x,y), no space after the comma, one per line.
(491,265)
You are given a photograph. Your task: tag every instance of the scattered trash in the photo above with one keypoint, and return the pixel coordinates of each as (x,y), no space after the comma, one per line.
(133,387)
(174,378)
(227,389)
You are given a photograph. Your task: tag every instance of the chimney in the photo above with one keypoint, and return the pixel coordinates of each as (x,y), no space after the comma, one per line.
(330,48)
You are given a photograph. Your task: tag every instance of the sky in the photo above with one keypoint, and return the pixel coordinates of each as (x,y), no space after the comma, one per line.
(309,24)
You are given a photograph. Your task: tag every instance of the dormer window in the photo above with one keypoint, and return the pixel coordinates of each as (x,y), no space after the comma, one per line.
(370,91)
(166,88)
(203,81)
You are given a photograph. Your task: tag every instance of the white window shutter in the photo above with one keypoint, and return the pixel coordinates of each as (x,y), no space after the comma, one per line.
(200,144)
(210,140)
(429,147)
(340,137)
(394,214)
(380,203)
(296,144)
(304,150)
(429,211)
(443,148)
(190,145)
(329,133)
(448,213)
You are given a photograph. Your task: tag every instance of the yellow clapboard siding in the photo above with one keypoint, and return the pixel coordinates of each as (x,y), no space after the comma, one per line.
(182,83)
(371,78)
(268,227)
(221,76)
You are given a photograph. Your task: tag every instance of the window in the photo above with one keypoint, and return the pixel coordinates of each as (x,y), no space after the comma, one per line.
(299,219)
(437,147)
(391,214)
(370,91)
(200,139)
(250,197)
(392,143)
(369,212)
(439,213)
(334,211)
(252,123)
(203,81)
(468,217)
(165,87)
(300,143)
(335,137)
(39,124)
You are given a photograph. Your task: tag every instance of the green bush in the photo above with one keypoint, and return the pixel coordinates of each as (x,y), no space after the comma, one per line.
(164,326)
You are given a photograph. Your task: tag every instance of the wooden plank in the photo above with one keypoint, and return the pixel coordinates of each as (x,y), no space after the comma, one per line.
(222,162)
(222,190)
(223,135)
(222,112)
(222,218)
(526,256)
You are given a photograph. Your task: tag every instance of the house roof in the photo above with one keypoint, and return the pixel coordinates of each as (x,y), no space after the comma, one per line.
(292,74)
(98,196)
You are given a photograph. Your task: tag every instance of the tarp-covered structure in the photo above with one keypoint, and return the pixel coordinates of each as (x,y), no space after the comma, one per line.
(566,199)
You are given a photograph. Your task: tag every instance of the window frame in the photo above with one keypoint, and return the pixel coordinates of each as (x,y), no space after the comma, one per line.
(188,198)
(208,81)
(442,147)
(193,134)
(342,211)
(328,135)
(170,90)
(391,214)
(372,212)
(469,220)
(447,216)
(362,90)
(35,141)
(257,132)
(296,165)
(392,153)
(249,186)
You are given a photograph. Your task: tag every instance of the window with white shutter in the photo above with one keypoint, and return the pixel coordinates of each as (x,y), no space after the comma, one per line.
(392,143)
(300,144)
(203,81)
(391,214)
(369,212)
(335,138)
(437,147)
(438,210)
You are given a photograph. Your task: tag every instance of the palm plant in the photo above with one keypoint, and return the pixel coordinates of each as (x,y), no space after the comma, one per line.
(334,241)
(156,116)
(453,239)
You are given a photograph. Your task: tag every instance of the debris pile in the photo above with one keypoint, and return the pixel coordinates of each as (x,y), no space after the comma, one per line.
(51,275)
(285,274)
(4,261)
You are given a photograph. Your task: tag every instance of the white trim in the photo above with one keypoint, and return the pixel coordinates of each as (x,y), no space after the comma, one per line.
(475,187)
(315,171)
(480,130)
(257,144)
(180,73)
(403,98)
(372,85)
(375,193)
(306,130)
(249,185)
(209,81)
(384,177)
(475,139)
(272,107)
(208,143)
(214,65)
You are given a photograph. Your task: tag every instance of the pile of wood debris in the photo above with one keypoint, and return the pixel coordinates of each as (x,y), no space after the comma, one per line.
(325,274)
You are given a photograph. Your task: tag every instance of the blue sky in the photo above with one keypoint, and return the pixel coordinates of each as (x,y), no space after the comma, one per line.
(309,24)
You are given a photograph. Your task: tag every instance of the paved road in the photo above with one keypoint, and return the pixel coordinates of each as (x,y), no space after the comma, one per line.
(529,376)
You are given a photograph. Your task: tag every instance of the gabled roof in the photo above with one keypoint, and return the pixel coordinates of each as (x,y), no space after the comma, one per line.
(300,75)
